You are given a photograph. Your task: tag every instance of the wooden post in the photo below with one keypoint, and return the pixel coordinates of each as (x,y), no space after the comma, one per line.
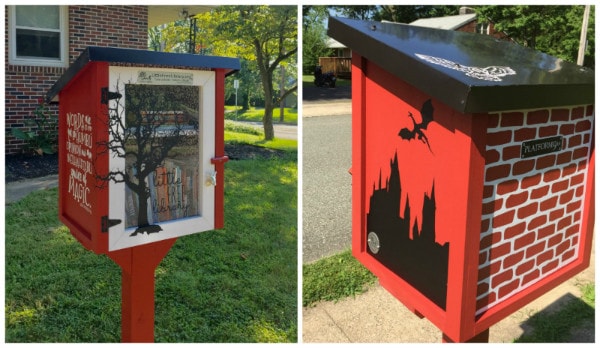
(482,337)
(137,288)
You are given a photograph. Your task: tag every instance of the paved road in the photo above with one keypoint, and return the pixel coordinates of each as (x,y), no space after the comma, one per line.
(326,185)
(282,131)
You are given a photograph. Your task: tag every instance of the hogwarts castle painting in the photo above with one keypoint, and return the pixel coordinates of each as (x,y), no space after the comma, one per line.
(398,243)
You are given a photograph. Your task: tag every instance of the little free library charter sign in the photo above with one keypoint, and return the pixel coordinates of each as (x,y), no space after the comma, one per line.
(141,146)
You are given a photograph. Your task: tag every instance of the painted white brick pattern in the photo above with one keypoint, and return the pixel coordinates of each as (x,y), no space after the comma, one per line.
(532,207)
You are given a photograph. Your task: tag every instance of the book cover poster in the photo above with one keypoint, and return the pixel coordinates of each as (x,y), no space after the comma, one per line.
(162,169)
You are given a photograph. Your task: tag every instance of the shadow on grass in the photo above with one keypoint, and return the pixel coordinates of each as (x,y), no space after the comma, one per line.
(569,319)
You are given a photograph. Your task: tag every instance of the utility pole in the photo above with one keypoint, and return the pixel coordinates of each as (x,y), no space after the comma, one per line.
(281,92)
(582,38)
(236,85)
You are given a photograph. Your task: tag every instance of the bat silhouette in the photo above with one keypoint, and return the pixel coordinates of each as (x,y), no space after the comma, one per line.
(146,229)
(417,131)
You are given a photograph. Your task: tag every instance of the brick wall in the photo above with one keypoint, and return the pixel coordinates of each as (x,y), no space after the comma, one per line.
(532,207)
(117,26)
(471,27)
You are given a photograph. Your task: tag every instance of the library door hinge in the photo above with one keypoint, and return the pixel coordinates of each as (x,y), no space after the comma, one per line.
(107,95)
(107,223)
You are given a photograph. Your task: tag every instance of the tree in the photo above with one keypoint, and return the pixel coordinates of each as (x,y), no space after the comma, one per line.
(269,35)
(249,89)
(554,30)
(314,36)
(362,12)
(408,14)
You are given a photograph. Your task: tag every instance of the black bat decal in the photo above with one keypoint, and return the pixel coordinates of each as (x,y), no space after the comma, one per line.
(146,229)
(417,131)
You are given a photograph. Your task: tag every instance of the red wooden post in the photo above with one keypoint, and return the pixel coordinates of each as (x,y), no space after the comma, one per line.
(220,158)
(137,288)
(482,337)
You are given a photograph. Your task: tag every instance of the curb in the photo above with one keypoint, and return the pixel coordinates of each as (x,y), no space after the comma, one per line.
(327,108)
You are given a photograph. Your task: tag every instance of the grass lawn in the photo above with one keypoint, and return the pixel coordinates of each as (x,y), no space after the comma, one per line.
(290,115)
(236,133)
(333,278)
(238,284)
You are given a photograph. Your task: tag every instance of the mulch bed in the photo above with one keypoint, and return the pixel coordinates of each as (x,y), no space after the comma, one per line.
(20,167)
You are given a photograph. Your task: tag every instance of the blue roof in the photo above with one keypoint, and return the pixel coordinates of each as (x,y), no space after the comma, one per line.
(142,57)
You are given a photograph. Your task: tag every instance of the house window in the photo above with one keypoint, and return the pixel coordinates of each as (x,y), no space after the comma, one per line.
(38,35)
(483,28)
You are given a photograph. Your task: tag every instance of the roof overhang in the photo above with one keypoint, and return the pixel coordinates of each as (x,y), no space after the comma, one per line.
(134,57)
(467,71)
(158,15)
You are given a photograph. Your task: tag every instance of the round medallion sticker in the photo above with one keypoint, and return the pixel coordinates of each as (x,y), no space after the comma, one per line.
(373,242)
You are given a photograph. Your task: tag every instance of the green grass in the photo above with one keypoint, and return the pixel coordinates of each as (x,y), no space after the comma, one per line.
(290,115)
(238,284)
(558,326)
(235,133)
(333,278)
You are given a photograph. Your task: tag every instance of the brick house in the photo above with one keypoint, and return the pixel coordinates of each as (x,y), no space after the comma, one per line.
(42,41)
(465,21)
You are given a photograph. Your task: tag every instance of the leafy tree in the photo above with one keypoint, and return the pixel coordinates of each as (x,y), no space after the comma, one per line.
(249,85)
(314,36)
(263,36)
(363,12)
(395,13)
(266,34)
(171,37)
(551,29)
(407,14)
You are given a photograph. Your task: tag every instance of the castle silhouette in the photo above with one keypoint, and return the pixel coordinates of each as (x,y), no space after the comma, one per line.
(411,254)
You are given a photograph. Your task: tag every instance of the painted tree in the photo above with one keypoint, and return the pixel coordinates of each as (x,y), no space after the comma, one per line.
(149,132)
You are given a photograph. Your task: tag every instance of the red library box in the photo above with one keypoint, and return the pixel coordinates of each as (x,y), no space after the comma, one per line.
(472,170)
(141,149)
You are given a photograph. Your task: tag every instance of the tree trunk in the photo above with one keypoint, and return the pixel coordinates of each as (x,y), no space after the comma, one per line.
(266,77)
(268,120)
(143,205)
(282,95)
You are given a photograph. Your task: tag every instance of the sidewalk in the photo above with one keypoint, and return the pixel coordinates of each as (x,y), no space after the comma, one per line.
(377,317)
(16,190)
(333,108)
